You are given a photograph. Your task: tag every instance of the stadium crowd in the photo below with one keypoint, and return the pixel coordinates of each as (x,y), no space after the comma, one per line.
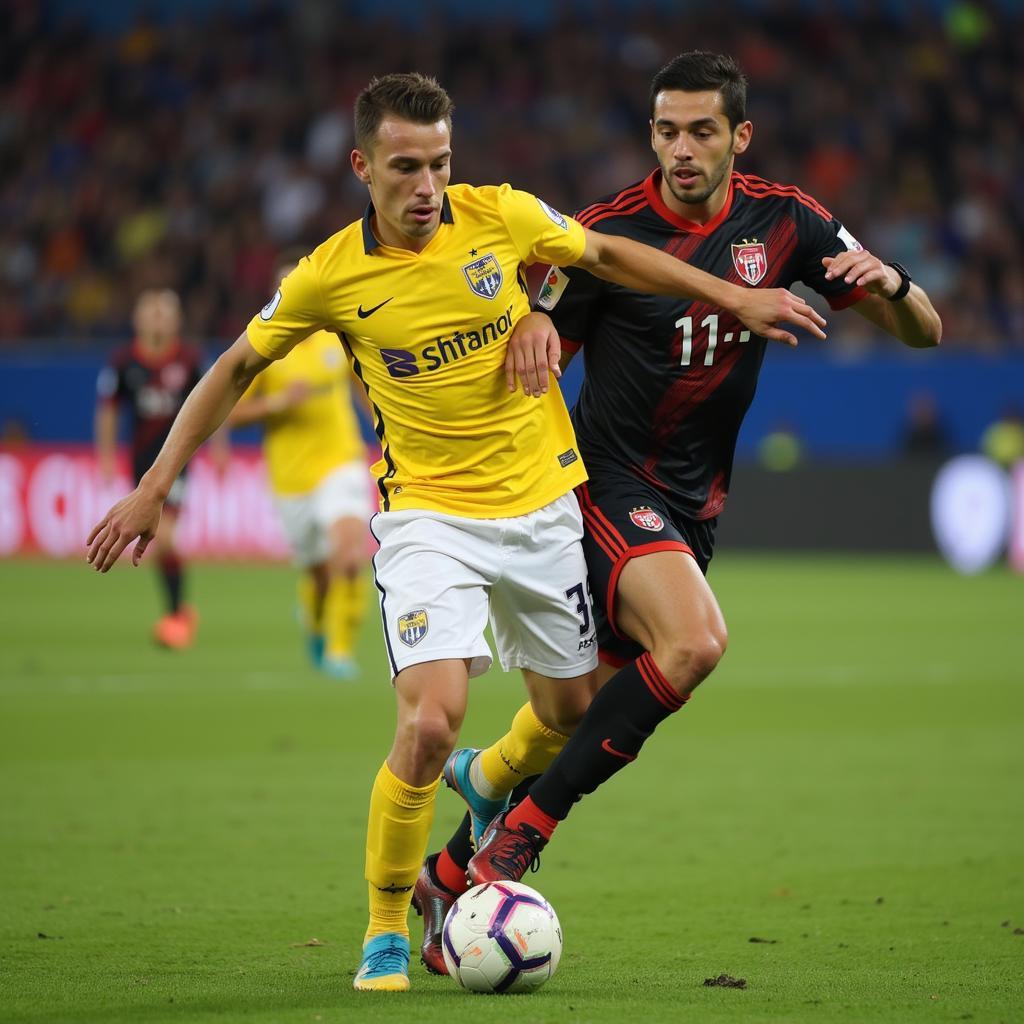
(189,154)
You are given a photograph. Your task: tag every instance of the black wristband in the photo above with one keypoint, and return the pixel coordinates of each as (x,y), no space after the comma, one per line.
(904,282)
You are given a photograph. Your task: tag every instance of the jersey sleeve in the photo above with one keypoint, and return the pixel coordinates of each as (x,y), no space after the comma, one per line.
(110,386)
(295,312)
(540,232)
(819,238)
(570,297)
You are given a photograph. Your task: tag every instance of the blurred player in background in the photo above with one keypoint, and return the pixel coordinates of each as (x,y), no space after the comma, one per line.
(478,519)
(316,461)
(151,378)
(666,387)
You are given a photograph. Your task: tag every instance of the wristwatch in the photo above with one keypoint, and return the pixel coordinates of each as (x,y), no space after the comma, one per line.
(904,282)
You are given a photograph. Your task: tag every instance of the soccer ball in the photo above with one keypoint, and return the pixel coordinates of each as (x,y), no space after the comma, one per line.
(501,937)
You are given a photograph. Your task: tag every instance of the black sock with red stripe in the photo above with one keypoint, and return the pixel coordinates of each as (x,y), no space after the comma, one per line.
(170,576)
(624,713)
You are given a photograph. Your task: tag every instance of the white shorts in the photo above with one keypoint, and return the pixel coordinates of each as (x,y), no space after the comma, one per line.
(306,518)
(441,576)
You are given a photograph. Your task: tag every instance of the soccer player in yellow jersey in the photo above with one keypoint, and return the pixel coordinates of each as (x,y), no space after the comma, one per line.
(316,461)
(478,519)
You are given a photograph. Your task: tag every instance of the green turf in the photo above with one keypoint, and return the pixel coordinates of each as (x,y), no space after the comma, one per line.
(176,828)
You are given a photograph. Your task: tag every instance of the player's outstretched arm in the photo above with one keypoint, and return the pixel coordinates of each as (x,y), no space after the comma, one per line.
(534,351)
(205,409)
(105,431)
(646,269)
(912,319)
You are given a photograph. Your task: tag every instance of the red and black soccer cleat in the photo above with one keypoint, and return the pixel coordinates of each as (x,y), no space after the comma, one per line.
(506,854)
(432,901)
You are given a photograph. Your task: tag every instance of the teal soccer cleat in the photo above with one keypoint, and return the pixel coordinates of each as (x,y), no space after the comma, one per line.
(482,810)
(385,966)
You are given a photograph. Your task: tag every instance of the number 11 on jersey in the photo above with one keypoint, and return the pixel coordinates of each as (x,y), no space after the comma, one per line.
(711,323)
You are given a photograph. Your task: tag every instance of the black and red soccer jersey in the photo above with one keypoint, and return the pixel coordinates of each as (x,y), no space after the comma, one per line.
(667,382)
(153,391)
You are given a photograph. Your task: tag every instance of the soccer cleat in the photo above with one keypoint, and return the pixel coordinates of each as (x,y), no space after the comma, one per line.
(175,632)
(315,649)
(481,809)
(385,964)
(339,666)
(505,854)
(432,901)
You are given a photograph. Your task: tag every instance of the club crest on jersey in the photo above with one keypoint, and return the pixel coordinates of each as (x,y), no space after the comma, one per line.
(412,628)
(647,519)
(750,260)
(173,376)
(484,276)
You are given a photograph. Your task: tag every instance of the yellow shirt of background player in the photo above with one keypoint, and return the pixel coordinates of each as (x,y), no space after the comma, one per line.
(309,440)
(427,333)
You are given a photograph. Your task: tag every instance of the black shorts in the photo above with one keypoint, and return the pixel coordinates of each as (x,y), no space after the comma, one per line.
(624,517)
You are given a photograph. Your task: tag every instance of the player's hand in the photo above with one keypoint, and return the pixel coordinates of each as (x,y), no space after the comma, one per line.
(137,515)
(297,392)
(533,353)
(859,267)
(764,309)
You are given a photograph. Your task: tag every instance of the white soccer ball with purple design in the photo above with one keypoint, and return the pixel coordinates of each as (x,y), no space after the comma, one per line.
(501,937)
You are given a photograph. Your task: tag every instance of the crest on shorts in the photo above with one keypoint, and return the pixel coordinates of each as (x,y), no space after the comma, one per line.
(484,276)
(750,260)
(412,628)
(647,519)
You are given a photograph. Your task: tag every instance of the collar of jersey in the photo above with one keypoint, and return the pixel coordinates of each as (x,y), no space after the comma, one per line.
(370,239)
(652,189)
(156,362)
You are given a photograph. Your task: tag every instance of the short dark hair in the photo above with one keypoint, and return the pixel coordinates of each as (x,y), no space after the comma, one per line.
(700,71)
(410,96)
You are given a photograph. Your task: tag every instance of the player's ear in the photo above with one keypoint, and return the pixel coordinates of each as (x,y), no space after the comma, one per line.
(741,137)
(655,148)
(360,166)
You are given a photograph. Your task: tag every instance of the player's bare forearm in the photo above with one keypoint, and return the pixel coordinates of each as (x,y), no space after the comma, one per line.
(912,319)
(106,437)
(138,514)
(646,269)
(205,409)
(251,410)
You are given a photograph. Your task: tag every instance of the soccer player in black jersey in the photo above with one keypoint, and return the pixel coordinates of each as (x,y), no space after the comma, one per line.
(151,378)
(666,386)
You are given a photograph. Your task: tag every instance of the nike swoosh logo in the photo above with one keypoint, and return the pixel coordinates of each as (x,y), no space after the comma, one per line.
(364,313)
(607,745)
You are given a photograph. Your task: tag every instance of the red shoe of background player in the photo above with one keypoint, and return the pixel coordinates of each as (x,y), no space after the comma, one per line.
(178,631)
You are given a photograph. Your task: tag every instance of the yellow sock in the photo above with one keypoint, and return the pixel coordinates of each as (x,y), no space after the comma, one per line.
(526,749)
(312,616)
(343,614)
(396,843)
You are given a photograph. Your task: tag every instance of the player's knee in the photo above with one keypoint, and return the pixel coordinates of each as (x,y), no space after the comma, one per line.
(691,658)
(345,563)
(568,715)
(432,735)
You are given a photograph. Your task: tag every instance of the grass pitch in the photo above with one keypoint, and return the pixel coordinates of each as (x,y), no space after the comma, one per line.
(836,818)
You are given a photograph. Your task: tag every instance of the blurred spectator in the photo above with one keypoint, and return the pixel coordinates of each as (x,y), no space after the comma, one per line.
(925,434)
(1003,441)
(186,153)
(781,450)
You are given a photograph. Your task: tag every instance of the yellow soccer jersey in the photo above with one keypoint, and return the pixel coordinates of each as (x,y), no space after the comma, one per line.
(304,443)
(427,333)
